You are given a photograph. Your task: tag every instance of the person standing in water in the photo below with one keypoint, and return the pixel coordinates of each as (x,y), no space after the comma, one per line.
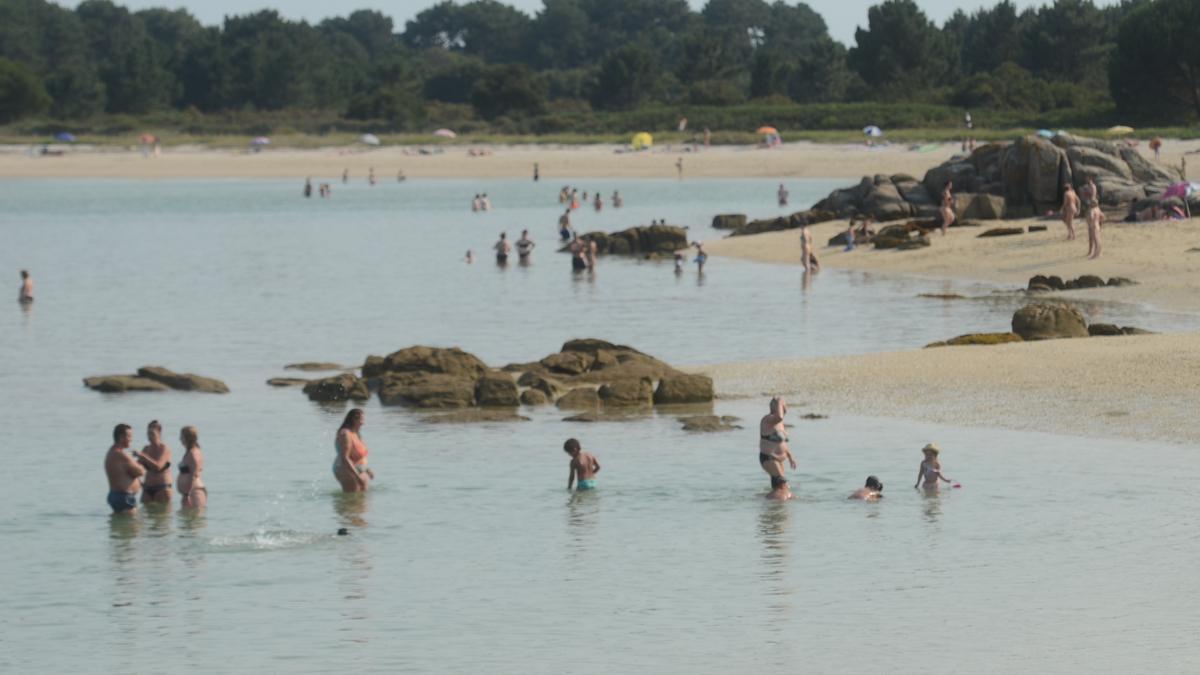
(584,466)
(350,465)
(123,472)
(345,176)
(1070,209)
(524,247)
(371,176)
(502,249)
(617,201)
(308,187)
(871,491)
(773,447)
(156,458)
(536,173)
(808,256)
(930,470)
(598,203)
(947,209)
(701,256)
(191,487)
(564,225)
(25,294)
(782,194)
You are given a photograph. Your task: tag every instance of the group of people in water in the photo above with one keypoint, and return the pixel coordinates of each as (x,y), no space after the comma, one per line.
(774,452)
(571,198)
(149,471)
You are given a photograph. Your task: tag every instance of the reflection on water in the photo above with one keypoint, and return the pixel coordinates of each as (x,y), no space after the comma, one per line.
(773,520)
(158,517)
(123,530)
(931,504)
(351,507)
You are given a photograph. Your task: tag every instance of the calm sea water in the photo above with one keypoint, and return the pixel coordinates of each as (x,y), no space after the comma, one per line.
(1059,554)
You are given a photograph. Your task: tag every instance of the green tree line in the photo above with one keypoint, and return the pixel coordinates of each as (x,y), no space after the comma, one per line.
(484,60)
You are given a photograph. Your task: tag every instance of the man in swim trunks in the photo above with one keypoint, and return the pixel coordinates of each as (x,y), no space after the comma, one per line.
(1070,209)
(564,225)
(25,295)
(584,466)
(123,472)
(502,248)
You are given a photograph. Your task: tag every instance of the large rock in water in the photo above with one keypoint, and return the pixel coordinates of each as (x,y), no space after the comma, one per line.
(627,393)
(183,381)
(119,384)
(427,390)
(683,389)
(452,361)
(1048,321)
(344,387)
(496,389)
(729,221)
(641,240)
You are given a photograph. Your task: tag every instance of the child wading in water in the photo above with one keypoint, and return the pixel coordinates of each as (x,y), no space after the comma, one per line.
(584,466)
(930,470)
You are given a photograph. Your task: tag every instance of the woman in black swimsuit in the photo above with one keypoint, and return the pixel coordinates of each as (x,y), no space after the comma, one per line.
(191,487)
(773,447)
(156,458)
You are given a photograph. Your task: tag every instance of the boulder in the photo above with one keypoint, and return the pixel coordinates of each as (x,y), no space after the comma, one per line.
(496,389)
(313,366)
(709,423)
(374,366)
(183,381)
(116,384)
(977,339)
(1131,330)
(534,397)
(627,393)
(1037,288)
(1087,161)
(427,390)
(891,236)
(1033,171)
(730,221)
(883,202)
(683,389)
(1120,281)
(452,361)
(1053,282)
(1047,321)
(660,239)
(914,193)
(569,363)
(983,207)
(919,241)
(579,398)
(1103,330)
(1071,140)
(1036,228)
(287,382)
(1001,232)
(1086,281)
(475,416)
(1145,171)
(1118,193)
(549,388)
(344,387)
(963,173)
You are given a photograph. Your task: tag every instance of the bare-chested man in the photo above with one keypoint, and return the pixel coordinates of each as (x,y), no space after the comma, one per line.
(502,249)
(584,466)
(123,471)
(25,295)
(808,256)
(1070,209)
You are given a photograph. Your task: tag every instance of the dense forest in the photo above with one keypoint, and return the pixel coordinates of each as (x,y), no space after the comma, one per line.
(607,63)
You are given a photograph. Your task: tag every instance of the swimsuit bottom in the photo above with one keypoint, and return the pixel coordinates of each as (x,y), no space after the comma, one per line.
(578,264)
(153,490)
(501,257)
(586,484)
(122,501)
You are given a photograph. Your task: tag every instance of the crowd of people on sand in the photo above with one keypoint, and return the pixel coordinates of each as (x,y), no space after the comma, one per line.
(148,472)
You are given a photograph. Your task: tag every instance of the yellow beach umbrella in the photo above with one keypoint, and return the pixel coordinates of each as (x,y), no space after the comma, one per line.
(641,140)
(1120,130)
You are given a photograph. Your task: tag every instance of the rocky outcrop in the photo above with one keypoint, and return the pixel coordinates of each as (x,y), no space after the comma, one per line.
(977,339)
(1048,321)
(1108,330)
(794,221)
(534,397)
(902,237)
(427,390)
(730,221)
(680,389)
(627,393)
(1040,282)
(344,387)
(642,240)
(579,398)
(709,423)
(287,382)
(155,378)
(1007,180)
(314,366)
(496,389)
(447,361)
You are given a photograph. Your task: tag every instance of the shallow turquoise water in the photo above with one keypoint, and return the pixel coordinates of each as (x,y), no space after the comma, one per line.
(1059,554)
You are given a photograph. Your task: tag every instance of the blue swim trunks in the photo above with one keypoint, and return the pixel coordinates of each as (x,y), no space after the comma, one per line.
(586,484)
(122,501)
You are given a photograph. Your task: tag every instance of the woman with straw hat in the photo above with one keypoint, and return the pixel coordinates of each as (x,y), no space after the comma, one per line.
(930,470)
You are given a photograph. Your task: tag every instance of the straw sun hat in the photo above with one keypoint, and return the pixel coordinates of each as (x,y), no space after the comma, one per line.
(932,447)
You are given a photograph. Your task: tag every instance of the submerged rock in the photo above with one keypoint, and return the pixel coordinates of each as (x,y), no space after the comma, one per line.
(475,416)
(287,382)
(115,384)
(344,387)
(674,389)
(155,378)
(977,339)
(427,390)
(314,366)
(709,423)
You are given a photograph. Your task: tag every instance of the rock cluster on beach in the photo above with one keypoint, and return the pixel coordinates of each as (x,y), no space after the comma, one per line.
(1043,321)
(661,240)
(1018,179)
(587,375)
(155,378)
(1042,283)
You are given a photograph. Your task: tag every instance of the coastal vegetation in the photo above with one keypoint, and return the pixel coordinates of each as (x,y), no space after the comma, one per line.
(596,69)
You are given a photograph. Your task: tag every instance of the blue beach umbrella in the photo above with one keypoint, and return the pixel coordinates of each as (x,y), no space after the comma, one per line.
(65,137)
(1045,133)
(873,131)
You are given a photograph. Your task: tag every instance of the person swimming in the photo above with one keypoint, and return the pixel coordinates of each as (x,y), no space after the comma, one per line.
(773,444)
(191,487)
(584,466)
(871,491)
(350,465)
(156,458)
(930,470)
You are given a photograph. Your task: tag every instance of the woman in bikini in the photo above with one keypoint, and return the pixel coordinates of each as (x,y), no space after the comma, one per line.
(156,458)
(930,471)
(191,486)
(773,447)
(350,465)
(947,206)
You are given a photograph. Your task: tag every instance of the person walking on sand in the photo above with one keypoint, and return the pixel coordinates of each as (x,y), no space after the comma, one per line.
(1156,146)
(808,254)
(930,470)
(782,195)
(123,472)
(502,249)
(524,247)
(1095,224)
(947,209)
(1070,209)
(584,466)
(25,294)
(350,464)
(871,491)
(773,447)
(191,487)
(156,458)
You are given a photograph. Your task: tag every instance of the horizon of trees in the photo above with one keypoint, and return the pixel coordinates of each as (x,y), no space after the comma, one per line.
(577,56)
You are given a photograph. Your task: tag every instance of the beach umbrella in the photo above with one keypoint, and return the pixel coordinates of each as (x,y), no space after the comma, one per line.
(1120,130)
(260,141)
(369,139)
(1045,133)
(873,131)
(65,137)
(445,133)
(770,131)
(147,139)
(641,140)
